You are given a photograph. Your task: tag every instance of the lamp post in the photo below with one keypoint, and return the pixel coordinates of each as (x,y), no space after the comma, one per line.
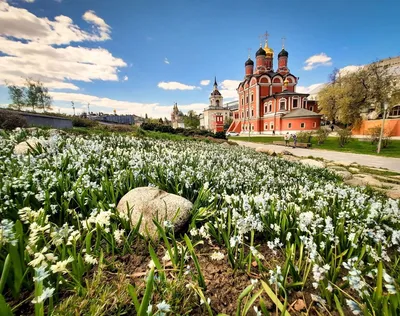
(73,106)
(385,107)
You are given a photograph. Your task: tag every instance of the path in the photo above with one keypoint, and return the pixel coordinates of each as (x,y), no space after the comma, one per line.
(347,158)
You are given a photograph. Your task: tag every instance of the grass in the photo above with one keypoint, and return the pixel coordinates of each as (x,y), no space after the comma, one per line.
(332,143)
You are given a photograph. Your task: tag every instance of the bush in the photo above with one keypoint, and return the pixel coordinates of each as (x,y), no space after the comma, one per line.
(322,135)
(220,135)
(82,122)
(344,136)
(118,128)
(374,134)
(304,137)
(10,121)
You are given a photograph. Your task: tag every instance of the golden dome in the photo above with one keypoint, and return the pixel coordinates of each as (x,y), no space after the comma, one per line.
(286,82)
(268,50)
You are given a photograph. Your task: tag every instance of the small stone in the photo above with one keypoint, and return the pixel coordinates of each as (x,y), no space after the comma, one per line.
(334,167)
(225,144)
(344,174)
(354,170)
(287,153)
(300,305)
(153,203)
(312,163)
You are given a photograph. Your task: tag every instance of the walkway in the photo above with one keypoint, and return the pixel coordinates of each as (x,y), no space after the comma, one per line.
(346,158)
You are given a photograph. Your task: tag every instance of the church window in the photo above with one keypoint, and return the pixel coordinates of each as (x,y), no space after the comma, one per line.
(265,108)
(295,103)
(282,105)
(242,100)
(252,127)
(314,124)
(395,111)
(302,125)
(271,126)
(289,125)
(217,102)
(247,100)
(270,107)
(266,126)
(311,108)
(252,97)
(252,113)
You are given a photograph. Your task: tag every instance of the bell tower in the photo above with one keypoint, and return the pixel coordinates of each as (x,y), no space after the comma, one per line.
(216,99)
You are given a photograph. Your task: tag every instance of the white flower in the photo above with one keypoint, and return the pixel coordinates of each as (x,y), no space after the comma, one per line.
(118,234)
(353,306)
(40,274)
(163,307)
(90,259)
(217,256)
(61,266)
(47,293)
(7,234)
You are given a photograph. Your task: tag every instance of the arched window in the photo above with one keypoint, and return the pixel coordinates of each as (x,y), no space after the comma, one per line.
(295,103)
(311,108)
(266,126)
(395,111)
(265,108)
(217,102)
(282,105)
(252,97)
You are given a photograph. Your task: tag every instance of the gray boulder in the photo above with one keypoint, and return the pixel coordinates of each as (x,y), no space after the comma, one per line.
(153,203)
(312,163)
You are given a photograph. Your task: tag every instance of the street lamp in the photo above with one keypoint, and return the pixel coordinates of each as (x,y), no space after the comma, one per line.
(73,106)
(385,107)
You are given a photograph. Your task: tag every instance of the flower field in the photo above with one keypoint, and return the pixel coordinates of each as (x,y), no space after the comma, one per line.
(266,236)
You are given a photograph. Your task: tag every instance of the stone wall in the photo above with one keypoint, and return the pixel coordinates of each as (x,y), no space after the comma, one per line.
(34,119)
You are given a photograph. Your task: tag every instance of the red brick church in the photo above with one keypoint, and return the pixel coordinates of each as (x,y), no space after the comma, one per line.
(268,101)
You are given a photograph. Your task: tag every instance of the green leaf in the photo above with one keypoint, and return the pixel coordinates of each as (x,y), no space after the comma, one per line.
(251,302)
(5,272)
(157,263)
(5,309)
(132,293)
(201,281)
(274,298)
(147,294)
(338,305)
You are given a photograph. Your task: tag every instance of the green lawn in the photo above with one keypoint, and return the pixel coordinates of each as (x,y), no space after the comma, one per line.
(332,143)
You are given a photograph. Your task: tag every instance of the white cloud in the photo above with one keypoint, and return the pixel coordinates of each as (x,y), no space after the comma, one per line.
(205,82)
(228,89)
(29,1)
(173,85)
(22,24)
(349,69)
(166,61)
(317,60)
(107,105)
(310,89)
(125,78)
(29,45)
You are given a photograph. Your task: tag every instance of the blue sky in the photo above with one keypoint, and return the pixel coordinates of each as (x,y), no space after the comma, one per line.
(133,56)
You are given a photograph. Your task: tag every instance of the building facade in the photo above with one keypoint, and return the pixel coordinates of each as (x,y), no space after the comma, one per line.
(217,114)
(268,101)
(177,116)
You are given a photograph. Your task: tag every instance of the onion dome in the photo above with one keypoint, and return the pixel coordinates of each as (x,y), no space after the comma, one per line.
(249,62)
(286,82)
(283,53)
(269,51)
(260,52)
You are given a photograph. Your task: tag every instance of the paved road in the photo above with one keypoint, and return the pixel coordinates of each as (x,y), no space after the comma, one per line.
(347,158)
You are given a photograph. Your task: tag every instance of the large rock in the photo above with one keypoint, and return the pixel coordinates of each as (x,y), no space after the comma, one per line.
(394,192)
(154,203)
(225,144)
(312,163)
(345,175)
(24,147)
(366,179)
(334,167)
(354,170)
(266,151)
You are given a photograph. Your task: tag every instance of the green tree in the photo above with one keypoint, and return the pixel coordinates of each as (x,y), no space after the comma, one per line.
(191,120)
(348,96)
(227,123)
(34,95)
(17,95)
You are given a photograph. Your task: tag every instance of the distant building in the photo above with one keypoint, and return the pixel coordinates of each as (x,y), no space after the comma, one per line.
(217,114)
(177,117)
(268,101)
(128,119)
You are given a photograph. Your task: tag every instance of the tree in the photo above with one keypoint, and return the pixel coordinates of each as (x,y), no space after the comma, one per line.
(191,120)
(34,94)
(228,123)
(17,96)
(349,95)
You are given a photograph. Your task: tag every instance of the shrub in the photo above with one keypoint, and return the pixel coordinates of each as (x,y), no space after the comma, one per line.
(82,122)
(220,135)
(304,137)
(374,134)
(344,136)
(322,135)
(118,128)
(10,121)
